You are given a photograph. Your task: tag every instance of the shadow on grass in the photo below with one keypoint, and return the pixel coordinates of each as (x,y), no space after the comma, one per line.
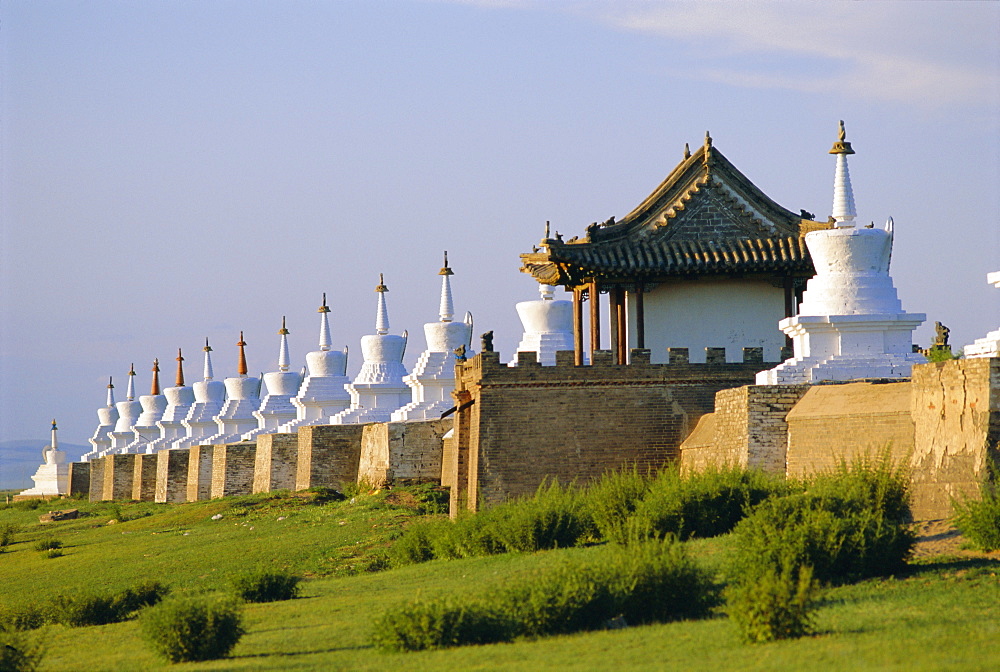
(949,563)
(289,654)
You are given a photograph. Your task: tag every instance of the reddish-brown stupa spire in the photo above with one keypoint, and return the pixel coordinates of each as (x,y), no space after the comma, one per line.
(155,387)
(242,367)
(179,382)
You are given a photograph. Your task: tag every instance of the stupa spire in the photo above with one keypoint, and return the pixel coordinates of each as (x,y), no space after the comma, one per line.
(55,440)
(208,360)
(154,389)
(844,211)
(382,317)
(283,350)
(179,381)
(111,392)
(130,394)
(324,326)
(447,309)
(241,367)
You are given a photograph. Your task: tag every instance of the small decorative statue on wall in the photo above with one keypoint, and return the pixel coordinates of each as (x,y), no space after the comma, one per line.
(487,344)
(460,353)
(941,337)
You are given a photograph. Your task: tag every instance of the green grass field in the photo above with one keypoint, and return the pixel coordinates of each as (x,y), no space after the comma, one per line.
(943,615)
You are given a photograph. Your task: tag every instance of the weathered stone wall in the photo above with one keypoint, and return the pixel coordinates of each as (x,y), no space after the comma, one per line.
(199,483)
(96,488)
(956,413)
(172,475)
(834,423)
(519,425)
(118,473)
(397,452)
(144,478)
(328,456)
(277,456)
(233,469)
(79,479)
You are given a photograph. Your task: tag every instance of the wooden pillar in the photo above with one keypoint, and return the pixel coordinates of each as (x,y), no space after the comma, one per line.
(578,326)
(595,317)
(613,315)
(640,318)
(622,336)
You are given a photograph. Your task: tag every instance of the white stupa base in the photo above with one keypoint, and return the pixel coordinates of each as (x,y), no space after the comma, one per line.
(269,422)
(421,410)
(988,346)
(170,431)
(546,345)
(143,437)
(50,480)
(431,384)
(372,402)
(840,367)
(120,442)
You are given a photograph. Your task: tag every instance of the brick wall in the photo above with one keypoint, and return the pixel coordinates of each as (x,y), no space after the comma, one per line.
(172,475)
(144,478)
(841,422)
(96,488)
(118,473)
(522,424)
(956,413)
(328,456)
(396,452)
(233,469)
(79,479)
(199,483)
(275,467)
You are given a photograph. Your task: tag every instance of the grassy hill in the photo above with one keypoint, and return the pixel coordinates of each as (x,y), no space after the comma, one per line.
(942,615)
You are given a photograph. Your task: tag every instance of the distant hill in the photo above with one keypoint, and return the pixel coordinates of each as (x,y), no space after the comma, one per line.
(19,459)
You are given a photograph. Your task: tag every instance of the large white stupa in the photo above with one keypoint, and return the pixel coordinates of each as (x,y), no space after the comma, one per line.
(209,396)
(52,477)
(322,393)
(548,326)
(851,324)
(433,376)
(378,389)
(276,409)
(128,412)
(179,398)
(107,416)
(153,405)
(242,399)
(989,345)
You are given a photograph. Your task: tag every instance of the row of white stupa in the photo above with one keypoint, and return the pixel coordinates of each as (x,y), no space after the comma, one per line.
(216,412)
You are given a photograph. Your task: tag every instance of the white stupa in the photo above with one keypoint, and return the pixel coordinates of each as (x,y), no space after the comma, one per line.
(379,388)
(989,345)
(851,324)
(276,409)
(180,398)
(209,396)
(107,416)
(322,393)
(433,376)
(52,477)
(548,326)
(128,413)
(153,405)
(242,399)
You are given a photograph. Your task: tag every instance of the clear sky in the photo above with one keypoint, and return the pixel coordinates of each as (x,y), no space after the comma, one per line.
(181,169)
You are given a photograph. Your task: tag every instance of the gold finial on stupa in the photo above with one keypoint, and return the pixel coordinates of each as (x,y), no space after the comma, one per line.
(324,308)
(381,285)
(445,270)
(284,331)
(841,146)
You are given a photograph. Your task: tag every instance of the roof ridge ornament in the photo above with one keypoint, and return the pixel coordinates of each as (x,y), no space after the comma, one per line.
(687,151)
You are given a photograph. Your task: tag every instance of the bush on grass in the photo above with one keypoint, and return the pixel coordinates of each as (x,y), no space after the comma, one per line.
(193,628)
(48,544)
(266,586)
(774,604)
(82,609)
(704,504)
(612,500)
(18,653)
(979,520)
(872,483)
(24,617)
(647,582)
(7,533)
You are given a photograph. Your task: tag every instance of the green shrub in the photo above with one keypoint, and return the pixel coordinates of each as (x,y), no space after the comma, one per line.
(25,617)
(871,483)
(48,544)
(442,623)
(415,545)
(81,609)
(979,520)
(612,500)
(53,553)
(190,629)
(137,597)
(266,586)
(651,581)
(704,504)
(18,653)
(555,517)
(7,533)
(774,604)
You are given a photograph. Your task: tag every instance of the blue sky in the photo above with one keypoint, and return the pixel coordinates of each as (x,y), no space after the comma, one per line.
(177,170)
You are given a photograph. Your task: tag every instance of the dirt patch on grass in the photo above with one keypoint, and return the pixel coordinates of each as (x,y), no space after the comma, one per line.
(941,537)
